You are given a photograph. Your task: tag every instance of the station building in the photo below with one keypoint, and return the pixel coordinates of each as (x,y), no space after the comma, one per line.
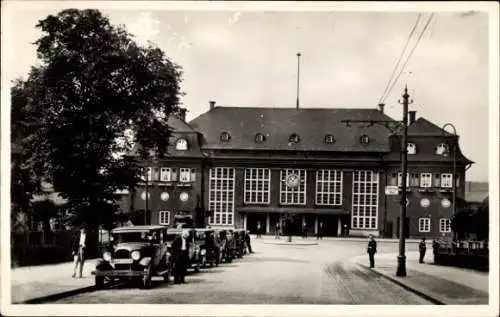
(250,165)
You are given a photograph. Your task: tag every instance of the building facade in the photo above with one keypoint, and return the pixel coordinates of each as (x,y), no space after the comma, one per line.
(259,165)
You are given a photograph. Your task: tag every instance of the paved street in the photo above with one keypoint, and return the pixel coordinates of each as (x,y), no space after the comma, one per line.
(275,274)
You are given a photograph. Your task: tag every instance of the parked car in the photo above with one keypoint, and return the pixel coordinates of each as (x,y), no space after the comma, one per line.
(239,242)
(136,252)
(209,247)
(194,247)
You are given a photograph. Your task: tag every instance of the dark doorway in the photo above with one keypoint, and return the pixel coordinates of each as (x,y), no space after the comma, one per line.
(330,225)
(253,219)
(388,229)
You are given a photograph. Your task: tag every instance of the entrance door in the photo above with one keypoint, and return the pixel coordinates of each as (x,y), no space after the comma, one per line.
(253,219)
(330,225)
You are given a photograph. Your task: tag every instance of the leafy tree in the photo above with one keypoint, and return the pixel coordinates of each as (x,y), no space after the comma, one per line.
(93,84)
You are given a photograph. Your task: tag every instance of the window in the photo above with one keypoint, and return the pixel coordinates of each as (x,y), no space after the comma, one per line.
(221,195)
(181,145)
(444,225)
(411,149)
(364,139)
(156,174)
(414,180)
(257,185)
(193,174)
(185,175)
(329,139)
(424,224)
(425,180)
(293,187)
(446,180)
(164,217)
(437,180)
(147,174)
(441,149)
(294,138)
(259,138)
(225,137)
(329,187)
(165,174)
(364,200)
(393,180)
(400,184)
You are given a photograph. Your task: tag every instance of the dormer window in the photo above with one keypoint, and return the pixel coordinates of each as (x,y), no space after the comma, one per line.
(225,137)
(181,145)
(294,138)
(364,139)
(441,149)
(329,139)
(411,149)
(259,138)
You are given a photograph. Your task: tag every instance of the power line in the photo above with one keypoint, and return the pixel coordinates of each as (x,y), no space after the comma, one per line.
(400,57)
(410,55)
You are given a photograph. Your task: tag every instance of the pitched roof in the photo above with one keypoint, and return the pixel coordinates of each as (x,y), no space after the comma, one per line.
(277,124)
(423,127)
(178,125)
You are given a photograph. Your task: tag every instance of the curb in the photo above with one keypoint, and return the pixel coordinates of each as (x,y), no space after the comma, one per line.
(290,243)
(403,285)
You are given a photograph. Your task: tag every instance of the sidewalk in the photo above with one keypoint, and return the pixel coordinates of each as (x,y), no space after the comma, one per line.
(442,284)
(353,239)
(32,282)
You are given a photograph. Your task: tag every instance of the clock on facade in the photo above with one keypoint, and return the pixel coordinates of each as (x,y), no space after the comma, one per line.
(184,196)
(164,196)
(292,180)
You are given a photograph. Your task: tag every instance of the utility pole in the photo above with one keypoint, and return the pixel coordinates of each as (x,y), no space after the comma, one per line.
(395,127)
(298,78)
(401,269)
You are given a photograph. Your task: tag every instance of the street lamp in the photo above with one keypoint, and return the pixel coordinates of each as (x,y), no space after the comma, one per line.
(147,196)
(454,161)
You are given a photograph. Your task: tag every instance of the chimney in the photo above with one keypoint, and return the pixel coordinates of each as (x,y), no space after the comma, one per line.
(212,105)
(412,115)
(182,114)
(381,107)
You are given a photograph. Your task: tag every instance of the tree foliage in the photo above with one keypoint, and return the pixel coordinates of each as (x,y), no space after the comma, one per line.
(472,221)
(93,84)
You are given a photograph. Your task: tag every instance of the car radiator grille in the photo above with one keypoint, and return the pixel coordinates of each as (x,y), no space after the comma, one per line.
(122,254)
(122,266)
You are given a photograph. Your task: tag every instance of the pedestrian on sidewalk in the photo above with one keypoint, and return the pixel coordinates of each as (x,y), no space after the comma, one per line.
(277,231)
(247,240)
(258,230)
(180,254)
(304,230)
(422,249)
(78,251)
(319,235)
(372,249)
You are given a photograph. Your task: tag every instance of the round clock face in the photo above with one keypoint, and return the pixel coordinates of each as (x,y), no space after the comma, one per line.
(445,203)
(292,180)
(164,196)
(425,202)
(184,196)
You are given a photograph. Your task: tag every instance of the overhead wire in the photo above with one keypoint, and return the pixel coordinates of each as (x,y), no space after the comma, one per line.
(410,55)
(400,57)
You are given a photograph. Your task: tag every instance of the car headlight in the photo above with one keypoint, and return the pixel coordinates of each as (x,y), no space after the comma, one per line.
(203,252)
(106,256)
(136,255)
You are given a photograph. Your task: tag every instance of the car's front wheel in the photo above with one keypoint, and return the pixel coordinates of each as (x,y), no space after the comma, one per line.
(99,281)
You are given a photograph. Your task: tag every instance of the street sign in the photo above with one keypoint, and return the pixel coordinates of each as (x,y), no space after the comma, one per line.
(391,190)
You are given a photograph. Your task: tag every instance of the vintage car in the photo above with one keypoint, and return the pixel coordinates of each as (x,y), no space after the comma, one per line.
(230,246)
(209,247)
(136,252)
(194,248)
(224,239)
(239,242)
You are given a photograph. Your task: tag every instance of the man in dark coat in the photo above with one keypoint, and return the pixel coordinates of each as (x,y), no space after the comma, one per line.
(422,248)
(319,235)
(247,241)
(435,248)
(372,249)
(180,254)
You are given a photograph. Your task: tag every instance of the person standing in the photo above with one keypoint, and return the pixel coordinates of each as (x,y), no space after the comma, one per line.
(304,230)
(277,231)
(78,251)
(372,249)
(345,231)
(247,241)
(422,248)
(320,231)
(258,230)
(435,248)
(180,252)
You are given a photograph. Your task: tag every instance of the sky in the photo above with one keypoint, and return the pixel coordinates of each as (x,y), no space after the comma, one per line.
(248,58)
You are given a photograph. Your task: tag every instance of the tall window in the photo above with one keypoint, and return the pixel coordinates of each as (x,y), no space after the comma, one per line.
(437,180)
(165,174)
(185,175)
(400,184)
(364,200)
(257,185)
(293,187)
(329,187)
(425,180)
(424,224)
(446,180)
(164,217)
(221,195)
(444,225)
